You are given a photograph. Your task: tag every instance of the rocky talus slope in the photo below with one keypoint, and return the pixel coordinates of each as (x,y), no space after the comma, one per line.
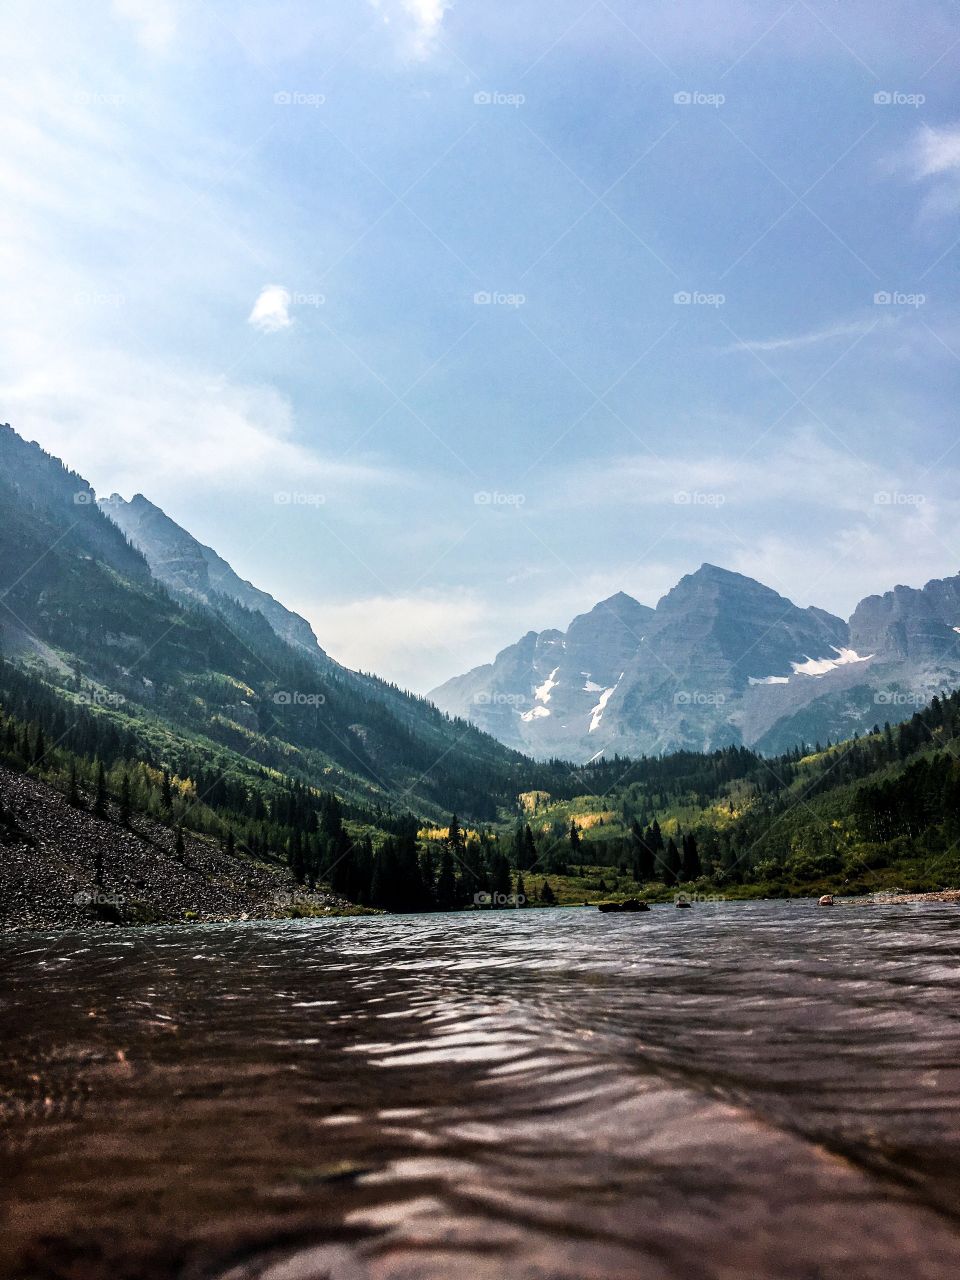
(61,867)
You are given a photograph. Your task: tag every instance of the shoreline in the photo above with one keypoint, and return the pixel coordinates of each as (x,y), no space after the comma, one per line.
(882,898)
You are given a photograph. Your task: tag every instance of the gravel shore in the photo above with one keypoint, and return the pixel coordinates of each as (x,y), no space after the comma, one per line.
(48,859)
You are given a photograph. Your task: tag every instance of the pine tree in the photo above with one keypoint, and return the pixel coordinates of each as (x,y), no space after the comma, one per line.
(530,855)
(166,794)
(575,841)
(73,794)
(500,881)
(178,845)
(692,868)
(547,895)
(671,863)
(446,880)
(521,890)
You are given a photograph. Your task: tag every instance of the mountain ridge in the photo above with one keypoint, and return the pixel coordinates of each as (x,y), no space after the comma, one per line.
(79,603)
(191,568)
(722,660)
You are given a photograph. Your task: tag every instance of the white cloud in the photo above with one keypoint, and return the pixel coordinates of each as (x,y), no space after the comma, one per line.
(130,423)
(154,21)
(271,311)
(933,158)
(936,151)
(420,22)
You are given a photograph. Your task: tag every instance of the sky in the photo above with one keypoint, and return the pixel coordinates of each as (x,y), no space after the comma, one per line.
(443,320)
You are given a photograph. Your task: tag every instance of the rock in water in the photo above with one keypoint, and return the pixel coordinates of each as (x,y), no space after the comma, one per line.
(826,900)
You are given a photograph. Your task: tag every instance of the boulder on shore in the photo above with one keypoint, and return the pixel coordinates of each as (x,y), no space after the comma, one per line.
(826,900)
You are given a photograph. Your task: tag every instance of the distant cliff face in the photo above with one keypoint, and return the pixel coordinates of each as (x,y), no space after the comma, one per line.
(721,660)
(920,626)
(189,568)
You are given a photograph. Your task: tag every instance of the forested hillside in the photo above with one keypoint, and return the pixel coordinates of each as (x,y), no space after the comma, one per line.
(873,811)
(79,604)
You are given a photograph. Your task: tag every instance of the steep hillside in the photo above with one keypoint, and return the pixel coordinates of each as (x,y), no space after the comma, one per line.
(79,600)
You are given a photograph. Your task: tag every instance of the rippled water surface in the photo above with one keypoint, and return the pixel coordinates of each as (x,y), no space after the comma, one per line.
(746,1090)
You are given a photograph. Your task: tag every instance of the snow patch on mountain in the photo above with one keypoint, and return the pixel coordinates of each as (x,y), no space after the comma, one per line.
(591,687)
(596,715)
(542,691)
(820,666)
(535,713)
(768,679)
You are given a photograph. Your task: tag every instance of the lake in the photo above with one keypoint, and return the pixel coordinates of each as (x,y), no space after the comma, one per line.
(764,1089)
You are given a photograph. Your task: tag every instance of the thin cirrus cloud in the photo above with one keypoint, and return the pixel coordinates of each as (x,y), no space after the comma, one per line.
(800,470)
(797,341)
(271,311)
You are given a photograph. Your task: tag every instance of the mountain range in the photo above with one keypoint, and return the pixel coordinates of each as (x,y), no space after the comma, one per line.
(722,660)
(117,593)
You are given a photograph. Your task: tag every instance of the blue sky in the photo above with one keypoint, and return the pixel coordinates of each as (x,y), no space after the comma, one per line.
(247,250)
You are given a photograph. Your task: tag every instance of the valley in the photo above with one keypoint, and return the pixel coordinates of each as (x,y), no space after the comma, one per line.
(158,713)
